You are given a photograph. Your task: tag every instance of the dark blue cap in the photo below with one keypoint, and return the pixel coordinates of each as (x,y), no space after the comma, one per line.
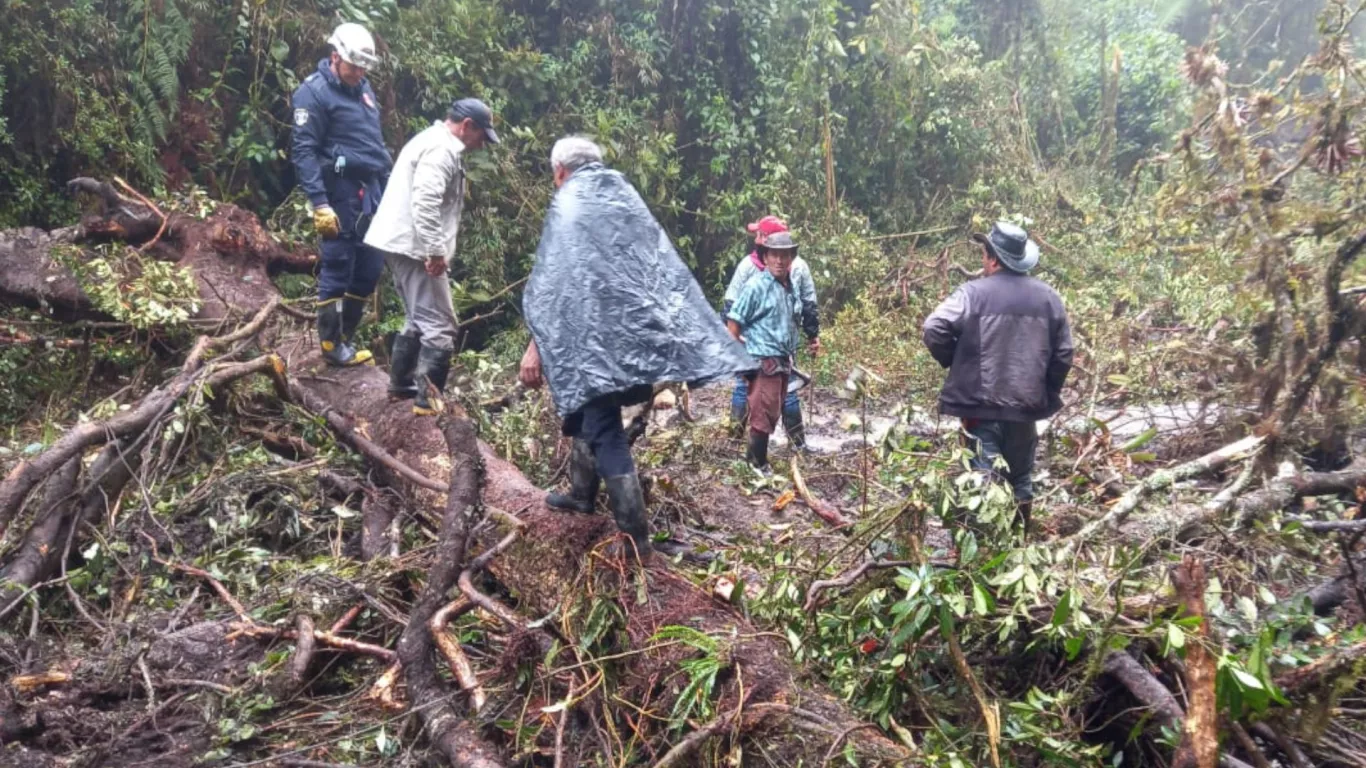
(476,110)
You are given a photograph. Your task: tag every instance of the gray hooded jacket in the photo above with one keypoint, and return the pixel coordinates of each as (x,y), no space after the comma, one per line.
(1007,345)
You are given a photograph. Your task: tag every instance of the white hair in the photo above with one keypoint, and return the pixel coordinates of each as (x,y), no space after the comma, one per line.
(574,152)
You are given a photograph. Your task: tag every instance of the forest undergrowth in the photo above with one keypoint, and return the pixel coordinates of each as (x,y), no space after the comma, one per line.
(219,552)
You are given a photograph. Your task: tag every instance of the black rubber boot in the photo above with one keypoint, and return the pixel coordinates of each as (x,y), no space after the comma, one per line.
(583,481)
(402,364)
(1025,510)
(757,454)
(353,309)
(336,351)
(433,366)
(627,500)
(796,431)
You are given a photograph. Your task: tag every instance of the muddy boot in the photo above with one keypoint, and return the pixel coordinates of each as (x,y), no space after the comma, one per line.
(796,431)
(433,366)
(353,309)
(627,501)
(583,482)
(336,351)
(757,453)
(1024,511)
(402,364)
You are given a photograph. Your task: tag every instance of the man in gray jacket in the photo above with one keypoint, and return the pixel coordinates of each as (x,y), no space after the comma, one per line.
(1008,348)
(416,227)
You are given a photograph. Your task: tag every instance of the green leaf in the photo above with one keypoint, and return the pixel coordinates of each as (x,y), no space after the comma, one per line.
(1175,637)
(1073,646)
(1247,680)
(1141,440)
(982,603)
(1063,611)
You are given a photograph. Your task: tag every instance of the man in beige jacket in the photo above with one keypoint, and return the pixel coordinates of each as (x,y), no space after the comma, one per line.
(416,227)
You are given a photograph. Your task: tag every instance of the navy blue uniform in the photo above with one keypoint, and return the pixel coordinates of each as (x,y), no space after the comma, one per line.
(341,161)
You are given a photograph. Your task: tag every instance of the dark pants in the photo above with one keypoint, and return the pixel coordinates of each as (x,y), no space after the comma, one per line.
(599,425)
(1013,441)
(348,265)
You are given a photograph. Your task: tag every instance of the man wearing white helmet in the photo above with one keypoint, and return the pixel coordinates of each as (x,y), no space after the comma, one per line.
(342,164)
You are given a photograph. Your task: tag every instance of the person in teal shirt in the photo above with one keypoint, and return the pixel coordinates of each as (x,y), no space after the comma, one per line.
(765,316)
(800,276)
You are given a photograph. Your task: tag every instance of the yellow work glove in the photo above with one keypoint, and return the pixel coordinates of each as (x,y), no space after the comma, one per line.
(325,221)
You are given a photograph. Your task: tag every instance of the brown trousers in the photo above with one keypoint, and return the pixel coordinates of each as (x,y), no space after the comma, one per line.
(766,394)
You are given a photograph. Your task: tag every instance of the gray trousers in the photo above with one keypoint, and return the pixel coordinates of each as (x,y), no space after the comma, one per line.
(427,301)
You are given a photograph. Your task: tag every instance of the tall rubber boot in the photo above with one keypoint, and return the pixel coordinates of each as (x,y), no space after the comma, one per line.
(433,366)
(1024,511)
(583,481)
(352,310)
(402,364)
(336,351)
(796,430)
(627,500)
(757,454)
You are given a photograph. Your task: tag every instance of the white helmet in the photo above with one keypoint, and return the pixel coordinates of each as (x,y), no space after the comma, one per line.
(355,45)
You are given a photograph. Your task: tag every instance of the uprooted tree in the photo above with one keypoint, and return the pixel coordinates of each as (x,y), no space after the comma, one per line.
(479,504)
(1157,615)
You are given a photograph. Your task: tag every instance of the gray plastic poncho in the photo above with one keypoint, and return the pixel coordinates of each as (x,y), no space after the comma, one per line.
(611,305)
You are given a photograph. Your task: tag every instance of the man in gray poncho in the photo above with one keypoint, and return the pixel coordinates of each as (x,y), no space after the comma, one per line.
(613,311)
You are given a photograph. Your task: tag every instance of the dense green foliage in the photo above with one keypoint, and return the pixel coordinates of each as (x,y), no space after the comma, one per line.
(1186,197)
(847,117)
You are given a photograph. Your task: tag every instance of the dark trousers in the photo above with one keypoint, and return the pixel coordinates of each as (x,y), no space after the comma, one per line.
(599,425)
(1013,441)
(348,265)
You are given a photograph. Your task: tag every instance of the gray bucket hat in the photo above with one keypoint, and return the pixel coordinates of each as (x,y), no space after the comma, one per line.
(1011,245)
(780,241)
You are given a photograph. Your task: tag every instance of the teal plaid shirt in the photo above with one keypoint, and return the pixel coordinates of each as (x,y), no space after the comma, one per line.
(767,315)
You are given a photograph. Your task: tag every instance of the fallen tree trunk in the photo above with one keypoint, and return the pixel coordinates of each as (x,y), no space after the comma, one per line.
(230,256)
(1185,521)
(454,738)
(547,563)
(1159,480)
